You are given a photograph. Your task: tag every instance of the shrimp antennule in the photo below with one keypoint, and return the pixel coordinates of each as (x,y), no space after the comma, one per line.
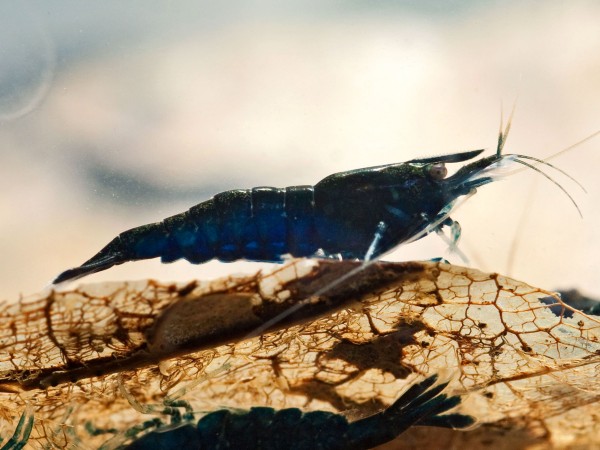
(502,136)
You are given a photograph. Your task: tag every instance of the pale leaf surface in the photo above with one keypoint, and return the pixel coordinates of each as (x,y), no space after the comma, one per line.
(88,354)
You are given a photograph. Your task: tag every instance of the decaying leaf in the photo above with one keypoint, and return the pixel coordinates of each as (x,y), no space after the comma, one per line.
(314,334)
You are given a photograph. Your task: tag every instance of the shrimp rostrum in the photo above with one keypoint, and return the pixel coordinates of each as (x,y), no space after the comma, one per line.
(358,214)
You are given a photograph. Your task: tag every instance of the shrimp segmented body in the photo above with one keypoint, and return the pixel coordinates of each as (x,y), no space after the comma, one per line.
(358,214)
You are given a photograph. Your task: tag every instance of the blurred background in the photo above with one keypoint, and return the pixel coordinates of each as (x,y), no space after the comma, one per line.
(117,114)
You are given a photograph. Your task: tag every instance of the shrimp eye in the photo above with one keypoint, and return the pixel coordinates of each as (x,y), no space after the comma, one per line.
(438,171)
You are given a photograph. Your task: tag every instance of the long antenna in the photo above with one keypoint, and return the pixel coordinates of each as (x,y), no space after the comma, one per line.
(570,147)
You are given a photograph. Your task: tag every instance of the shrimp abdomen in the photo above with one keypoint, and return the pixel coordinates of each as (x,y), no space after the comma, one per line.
(259,224)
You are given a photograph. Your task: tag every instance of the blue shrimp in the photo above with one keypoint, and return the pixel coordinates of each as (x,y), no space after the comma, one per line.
(261,427)
(358,214)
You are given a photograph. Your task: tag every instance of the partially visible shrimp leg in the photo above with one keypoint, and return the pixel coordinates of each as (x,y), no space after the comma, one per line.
(455,233)
(22,432)
(374,247)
